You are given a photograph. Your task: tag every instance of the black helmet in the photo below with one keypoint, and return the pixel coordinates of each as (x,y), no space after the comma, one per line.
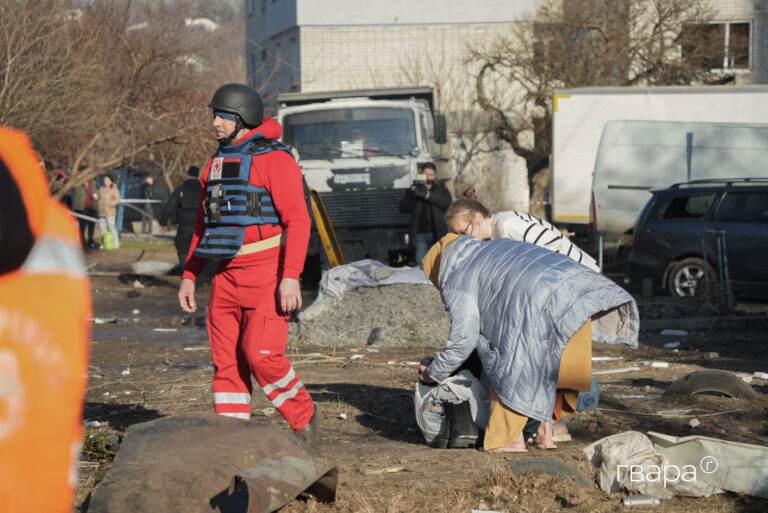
(241,100)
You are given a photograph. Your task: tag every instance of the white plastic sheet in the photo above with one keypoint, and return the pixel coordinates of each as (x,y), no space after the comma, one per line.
(733,466)
(363,273)
(630,461)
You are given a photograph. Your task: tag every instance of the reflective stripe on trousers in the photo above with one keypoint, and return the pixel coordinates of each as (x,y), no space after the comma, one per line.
(248,337)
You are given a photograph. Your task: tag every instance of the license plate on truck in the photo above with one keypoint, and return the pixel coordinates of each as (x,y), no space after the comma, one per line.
(352,178)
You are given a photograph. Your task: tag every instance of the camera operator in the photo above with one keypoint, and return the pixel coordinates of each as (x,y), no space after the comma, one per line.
(426,202)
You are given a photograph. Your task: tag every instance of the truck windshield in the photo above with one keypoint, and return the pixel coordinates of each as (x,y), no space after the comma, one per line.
(350,132)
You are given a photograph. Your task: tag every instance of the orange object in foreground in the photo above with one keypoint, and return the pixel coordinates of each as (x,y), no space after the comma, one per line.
(44,334)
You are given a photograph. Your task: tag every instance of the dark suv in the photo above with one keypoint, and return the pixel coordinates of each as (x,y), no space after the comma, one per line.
(704,231)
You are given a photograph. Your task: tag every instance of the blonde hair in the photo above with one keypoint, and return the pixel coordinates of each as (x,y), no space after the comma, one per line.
(465,209)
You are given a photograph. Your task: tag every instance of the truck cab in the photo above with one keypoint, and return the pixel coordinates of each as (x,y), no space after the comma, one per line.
(360,150)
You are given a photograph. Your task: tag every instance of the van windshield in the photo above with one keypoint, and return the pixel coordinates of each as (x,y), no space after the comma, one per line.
(350,132)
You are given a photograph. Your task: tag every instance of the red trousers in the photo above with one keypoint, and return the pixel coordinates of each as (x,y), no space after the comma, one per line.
(248,337)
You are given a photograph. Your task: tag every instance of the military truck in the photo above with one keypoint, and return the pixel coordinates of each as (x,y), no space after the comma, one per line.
(360,150)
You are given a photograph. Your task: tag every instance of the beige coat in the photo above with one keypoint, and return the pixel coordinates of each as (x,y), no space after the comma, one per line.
(109,199)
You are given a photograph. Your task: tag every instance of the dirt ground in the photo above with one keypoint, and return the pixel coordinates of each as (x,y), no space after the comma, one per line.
(148,360)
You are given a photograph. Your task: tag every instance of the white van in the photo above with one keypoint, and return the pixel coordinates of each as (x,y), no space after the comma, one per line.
(579,117)
(636,156)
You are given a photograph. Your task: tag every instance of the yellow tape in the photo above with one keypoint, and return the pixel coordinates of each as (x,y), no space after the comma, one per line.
(557,97)
(584,218)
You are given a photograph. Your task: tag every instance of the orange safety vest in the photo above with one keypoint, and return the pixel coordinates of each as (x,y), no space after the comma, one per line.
(44,332)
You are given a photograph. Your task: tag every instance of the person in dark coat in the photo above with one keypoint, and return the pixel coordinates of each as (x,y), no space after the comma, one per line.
(181,208)
(147,192)
(426,203)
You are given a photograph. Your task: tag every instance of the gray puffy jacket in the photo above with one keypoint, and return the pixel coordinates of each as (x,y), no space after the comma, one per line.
(519,304)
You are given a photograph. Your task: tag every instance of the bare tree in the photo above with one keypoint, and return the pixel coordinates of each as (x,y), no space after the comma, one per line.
(575,43)
(46,65)
(106,84)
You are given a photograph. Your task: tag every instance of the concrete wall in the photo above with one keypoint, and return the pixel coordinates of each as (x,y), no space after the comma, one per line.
(405,12)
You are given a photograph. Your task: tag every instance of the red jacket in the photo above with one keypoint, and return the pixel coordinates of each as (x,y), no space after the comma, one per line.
(281,175)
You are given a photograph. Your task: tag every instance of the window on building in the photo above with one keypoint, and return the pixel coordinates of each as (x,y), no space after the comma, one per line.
(717,46)
(738,45)
(250,6)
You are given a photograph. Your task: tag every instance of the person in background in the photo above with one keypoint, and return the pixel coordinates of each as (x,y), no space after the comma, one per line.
(470,217)
(84,203)
(44,332)
(109,199)
(58,180)
(147,192)
(253,218)
(426,203)
(181,209)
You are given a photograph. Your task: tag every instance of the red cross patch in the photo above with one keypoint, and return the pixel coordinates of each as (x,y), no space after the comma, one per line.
(216,168)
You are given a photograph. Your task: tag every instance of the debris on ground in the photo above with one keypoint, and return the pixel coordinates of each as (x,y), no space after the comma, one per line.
(732,466)
(178,463)
(629,461)
(722,382)
(674,333)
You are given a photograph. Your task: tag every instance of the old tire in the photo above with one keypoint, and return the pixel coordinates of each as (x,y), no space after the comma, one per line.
(715,381)
(557,468)
(686,277)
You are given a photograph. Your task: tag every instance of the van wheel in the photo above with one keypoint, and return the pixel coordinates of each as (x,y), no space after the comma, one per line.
(686,277)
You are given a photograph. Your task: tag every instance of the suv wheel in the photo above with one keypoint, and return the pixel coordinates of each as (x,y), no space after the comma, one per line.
(686,277)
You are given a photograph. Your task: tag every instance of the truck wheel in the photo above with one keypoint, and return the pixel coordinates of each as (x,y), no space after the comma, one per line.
(686,277)
(715,381)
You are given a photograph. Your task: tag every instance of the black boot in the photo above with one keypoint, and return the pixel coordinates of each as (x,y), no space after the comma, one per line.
(463,430)
(308,434)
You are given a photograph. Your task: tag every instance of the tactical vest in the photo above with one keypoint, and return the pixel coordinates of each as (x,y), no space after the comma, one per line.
(232,202)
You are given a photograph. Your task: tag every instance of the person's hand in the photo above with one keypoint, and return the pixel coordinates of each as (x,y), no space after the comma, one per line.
(424,376)
(163,229)
(289,295)
(187,295)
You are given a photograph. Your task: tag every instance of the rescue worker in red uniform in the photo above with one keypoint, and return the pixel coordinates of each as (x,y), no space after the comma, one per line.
(253,218)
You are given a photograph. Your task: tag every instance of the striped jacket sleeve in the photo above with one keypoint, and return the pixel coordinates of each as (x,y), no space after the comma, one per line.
(535,230)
